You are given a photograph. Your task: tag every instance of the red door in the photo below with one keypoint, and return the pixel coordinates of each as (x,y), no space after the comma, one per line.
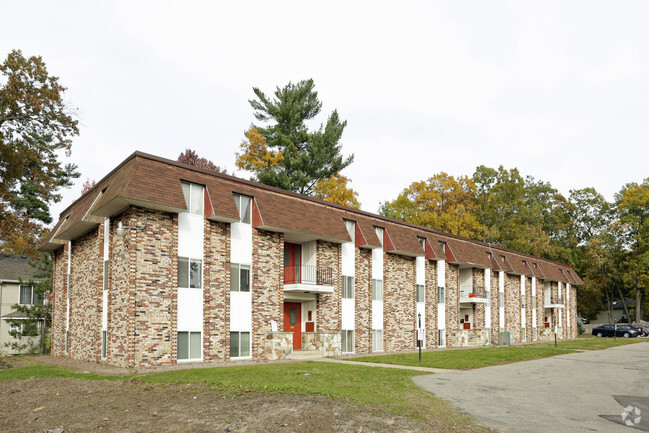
(293,322)
(292,256)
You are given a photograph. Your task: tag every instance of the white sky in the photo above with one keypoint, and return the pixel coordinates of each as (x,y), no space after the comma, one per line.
(558,89)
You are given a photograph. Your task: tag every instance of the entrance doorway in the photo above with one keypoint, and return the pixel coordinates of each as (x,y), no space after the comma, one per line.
(293,322)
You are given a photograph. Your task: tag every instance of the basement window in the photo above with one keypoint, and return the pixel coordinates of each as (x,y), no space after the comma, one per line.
(348,341)
(239,344)
(189,345)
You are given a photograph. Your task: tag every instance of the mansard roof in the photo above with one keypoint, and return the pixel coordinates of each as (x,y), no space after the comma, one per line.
(152,182)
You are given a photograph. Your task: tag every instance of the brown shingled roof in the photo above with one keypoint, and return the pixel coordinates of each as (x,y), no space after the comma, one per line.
(152,182)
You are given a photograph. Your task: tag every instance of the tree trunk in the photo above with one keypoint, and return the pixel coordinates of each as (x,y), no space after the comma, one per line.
(626,309)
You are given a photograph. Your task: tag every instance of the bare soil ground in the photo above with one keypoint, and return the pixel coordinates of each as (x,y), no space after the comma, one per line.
(77,405)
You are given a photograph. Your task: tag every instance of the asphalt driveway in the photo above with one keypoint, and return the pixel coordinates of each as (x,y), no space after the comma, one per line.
(578,392)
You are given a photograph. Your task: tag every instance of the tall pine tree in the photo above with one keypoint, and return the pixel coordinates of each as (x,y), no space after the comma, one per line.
(306,156)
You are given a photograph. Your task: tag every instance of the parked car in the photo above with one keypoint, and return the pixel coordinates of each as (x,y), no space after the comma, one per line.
(625,331)
(643,330)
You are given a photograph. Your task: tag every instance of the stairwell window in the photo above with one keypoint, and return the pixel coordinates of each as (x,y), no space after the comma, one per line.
(348,287)
(421,296)
(189,273)
(239,277)
(441,295)
(377,340)
(244,205)
(377,290)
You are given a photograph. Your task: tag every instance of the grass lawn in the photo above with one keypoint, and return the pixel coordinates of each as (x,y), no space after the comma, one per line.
(376,389)
(486,356)
(590,342)
(467,358)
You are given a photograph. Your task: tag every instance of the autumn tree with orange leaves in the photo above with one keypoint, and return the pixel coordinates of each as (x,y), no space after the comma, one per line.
(35,126)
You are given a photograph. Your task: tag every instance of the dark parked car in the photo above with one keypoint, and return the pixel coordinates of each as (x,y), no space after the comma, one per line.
(625,331)
(643,330)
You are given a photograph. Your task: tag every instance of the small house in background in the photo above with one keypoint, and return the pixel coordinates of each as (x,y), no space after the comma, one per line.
(15,273)
(618,314)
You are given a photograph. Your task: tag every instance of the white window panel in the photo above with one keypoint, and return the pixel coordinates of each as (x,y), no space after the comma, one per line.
(348,259)
(421,270)
(377,314)
(377,263)
(190,309)
(241,243)
(441,273)
(348,315)
(240,311)
(190,235)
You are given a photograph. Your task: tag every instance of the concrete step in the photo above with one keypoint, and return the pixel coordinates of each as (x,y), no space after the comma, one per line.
(306,354)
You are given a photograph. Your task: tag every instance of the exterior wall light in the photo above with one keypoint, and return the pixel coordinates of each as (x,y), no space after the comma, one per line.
(121,229)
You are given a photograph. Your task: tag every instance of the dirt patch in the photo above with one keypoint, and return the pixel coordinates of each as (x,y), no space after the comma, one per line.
(76,405)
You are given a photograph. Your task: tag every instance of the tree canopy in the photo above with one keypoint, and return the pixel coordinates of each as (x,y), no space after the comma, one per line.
(190,157)
(35,125)
(282,151)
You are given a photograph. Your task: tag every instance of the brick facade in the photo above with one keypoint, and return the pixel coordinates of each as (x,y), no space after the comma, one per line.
(267,286)
(142,305)
(399,303)
(216,292)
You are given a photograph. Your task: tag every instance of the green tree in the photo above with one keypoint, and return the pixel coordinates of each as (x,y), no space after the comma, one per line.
(441,202)
(633,211)
(306,156)
(35,125)
(37,318)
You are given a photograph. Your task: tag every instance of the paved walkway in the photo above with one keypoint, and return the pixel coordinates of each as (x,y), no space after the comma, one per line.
(566,393)
(373,364)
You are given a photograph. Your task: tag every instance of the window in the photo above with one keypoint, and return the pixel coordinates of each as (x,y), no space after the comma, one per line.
(348,287)
(441,337)
(488,295)
(377,290)
(239,344)
(443,246)
(523,303)
(535,334)
(189,272)
(28,297)
(244,204)
(103,344)
(189,345)
(524,335)
(194,198)
(420,293)
(377,340)
(348,341)
(440,295)
(534,302)
(502,299)
(239,278)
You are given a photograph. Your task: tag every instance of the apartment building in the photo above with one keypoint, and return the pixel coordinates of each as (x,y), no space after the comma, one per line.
(162,263)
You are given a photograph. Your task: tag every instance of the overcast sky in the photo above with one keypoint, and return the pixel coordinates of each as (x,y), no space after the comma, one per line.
(558,89)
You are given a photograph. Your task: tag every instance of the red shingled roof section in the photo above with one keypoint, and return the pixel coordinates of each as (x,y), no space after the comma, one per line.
(467,252)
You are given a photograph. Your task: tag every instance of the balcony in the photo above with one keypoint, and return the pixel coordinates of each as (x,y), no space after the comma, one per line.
(553,302)
(473,295)
(308,279)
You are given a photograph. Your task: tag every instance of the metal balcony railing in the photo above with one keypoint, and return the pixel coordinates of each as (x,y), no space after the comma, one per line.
(305,274)
(475,292)
(554,300)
